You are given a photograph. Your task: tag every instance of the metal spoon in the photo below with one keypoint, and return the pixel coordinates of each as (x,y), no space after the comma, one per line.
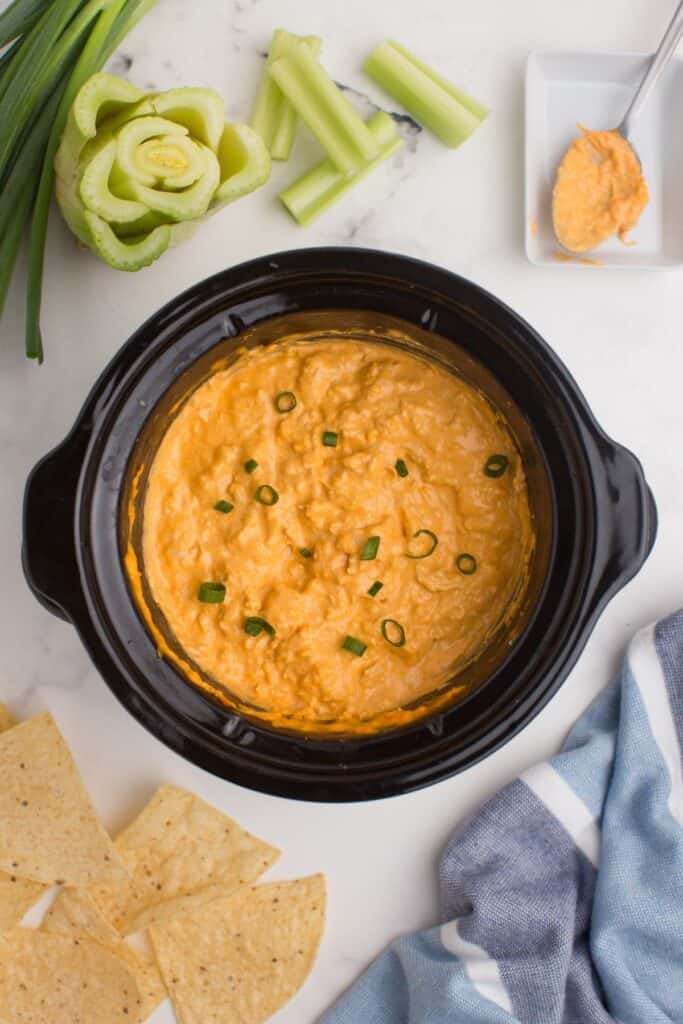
(664,53)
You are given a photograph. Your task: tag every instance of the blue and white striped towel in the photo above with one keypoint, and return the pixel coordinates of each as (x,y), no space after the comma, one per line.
(563,896)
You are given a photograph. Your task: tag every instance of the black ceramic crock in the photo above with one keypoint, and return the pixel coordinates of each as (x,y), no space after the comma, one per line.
(600,520)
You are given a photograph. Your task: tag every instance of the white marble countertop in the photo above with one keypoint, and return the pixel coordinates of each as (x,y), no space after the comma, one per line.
(618,331)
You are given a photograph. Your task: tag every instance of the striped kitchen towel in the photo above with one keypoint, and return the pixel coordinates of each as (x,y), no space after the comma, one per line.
(563,897)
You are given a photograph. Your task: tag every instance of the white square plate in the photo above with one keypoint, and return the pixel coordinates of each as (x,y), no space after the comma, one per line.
(564,89)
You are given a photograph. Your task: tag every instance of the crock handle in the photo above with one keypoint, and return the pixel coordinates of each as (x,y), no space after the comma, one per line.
(48,549)
(626,537)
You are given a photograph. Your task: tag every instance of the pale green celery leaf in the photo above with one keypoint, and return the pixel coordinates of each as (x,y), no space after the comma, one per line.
(188,204)
(201,111)
(244,163)
(96,195)
(132,135)
(129,254)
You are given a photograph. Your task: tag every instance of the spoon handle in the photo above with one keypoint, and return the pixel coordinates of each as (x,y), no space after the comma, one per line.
(661,58)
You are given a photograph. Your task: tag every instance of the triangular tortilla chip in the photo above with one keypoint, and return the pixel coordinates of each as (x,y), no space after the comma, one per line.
(49,831)
(180,853)
(17,895)
(75,913)
(55,979)
(242,957)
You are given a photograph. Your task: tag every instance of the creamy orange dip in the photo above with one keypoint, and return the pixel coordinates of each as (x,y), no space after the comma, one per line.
(298,563)
(599,191)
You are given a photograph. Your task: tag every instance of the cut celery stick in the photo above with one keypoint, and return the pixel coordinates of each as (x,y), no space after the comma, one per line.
(312,193)
(474,107)
(427,96)
(323,107)
(274,118)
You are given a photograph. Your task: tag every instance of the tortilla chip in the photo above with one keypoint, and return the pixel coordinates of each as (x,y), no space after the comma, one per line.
(6,720)
(17,895)
(74,913)
(55,979)
(49,831)
(242,957)
(180,853)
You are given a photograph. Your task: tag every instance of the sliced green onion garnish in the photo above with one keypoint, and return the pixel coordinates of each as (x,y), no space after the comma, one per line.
(285,401)
(432,542)
(224,506)
(305,552)
(356,647)
(330,439)
(496,465)
(393,632)
(401,467)
(375,588)
(211,593)
(250,465)
(466,563)
(255,625)
(266,495)
(370,549)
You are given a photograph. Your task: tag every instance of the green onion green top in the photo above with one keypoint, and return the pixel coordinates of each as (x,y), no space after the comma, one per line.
(355,646)
(255,625)
(393,632)
(375,588)
(496,465)
(401,467)
(432,541)
(250,465)
(330,439)
(224,506)
(211,593)
(266,495)
(466,563)
(370,549)
(285,401)
(305,552)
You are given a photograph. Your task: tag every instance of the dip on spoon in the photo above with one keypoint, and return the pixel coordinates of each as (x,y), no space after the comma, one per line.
(600,190)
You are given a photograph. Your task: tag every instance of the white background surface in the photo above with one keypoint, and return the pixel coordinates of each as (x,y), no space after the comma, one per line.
(619,333)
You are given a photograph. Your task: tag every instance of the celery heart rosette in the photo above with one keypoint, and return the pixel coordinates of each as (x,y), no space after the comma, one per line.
(135,171)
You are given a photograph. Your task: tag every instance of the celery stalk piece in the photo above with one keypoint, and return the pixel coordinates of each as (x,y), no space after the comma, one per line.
(318,188)
(447,112)
(244,163)
(325,110)
(131,254)
(474,106)
(274,118)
